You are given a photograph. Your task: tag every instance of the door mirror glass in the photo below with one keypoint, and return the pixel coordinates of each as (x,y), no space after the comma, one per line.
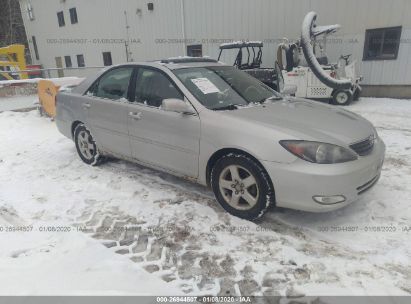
(176,105)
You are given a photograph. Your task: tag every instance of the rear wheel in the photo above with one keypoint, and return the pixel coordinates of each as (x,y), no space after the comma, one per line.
(242,186)
(86,146)
(342,97)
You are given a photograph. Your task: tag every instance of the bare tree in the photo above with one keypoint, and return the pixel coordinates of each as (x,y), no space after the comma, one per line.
(11,23)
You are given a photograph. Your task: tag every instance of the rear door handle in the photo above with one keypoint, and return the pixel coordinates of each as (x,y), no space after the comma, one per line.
(135,115)
(86,105)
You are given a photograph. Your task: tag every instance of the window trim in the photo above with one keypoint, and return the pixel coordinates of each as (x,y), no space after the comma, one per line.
(194,47)
(84,61)
(367,42)
(111,58)
(65,61)
(73,9)
(61,13)
(36,51)
(133,86)
(30,13)
(96,82)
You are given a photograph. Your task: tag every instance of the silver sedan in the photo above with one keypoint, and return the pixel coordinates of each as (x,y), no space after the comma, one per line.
(218,126)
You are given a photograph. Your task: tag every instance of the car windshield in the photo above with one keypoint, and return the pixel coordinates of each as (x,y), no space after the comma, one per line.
(224,87)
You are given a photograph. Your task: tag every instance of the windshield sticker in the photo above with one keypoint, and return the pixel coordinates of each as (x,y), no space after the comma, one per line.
(205,85)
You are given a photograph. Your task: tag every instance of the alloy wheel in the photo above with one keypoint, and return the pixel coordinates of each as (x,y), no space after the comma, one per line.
(239,187)
(85,145)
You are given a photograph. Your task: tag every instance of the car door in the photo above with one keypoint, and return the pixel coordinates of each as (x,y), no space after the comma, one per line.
(160,138)
(107,105)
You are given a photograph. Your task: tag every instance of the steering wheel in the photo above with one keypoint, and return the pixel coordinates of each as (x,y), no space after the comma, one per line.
(252,93)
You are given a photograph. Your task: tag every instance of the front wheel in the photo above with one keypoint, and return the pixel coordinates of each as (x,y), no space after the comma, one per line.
(342,97)
(86,146)
(242,186)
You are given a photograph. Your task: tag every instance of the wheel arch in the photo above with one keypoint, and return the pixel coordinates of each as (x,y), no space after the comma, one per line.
(225,151)
(73,127)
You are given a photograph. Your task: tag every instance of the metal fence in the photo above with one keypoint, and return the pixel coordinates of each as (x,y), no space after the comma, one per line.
(56,72)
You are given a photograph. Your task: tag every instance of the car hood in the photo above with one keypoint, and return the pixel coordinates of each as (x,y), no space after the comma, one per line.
(308,120)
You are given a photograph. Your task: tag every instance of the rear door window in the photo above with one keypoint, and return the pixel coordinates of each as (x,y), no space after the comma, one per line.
(113,84)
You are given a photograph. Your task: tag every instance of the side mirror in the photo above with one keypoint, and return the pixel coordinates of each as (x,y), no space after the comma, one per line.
(176,105)
(289,89)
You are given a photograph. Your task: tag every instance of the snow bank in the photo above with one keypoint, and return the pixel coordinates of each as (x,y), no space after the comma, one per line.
(22,102)
(57,81)
(38,263)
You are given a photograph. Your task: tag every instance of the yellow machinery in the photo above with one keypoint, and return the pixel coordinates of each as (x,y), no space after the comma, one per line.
(47,91)
(12,60)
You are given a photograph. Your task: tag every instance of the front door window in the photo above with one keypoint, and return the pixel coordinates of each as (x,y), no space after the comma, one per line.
(153,86)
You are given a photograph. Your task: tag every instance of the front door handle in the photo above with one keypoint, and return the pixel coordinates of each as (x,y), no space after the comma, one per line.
(86,105)
(135,115)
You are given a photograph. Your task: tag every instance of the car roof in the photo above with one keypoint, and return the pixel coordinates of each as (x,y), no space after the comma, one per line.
(170,63)
(187,62)
(174,63)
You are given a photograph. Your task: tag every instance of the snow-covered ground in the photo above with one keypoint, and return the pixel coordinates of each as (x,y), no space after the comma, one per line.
(17,103)
(125,229)
(30,101)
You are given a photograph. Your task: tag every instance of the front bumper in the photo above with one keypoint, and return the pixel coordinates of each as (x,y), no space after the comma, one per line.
(297,183)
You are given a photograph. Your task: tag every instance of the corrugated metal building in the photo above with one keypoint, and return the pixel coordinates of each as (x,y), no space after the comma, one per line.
(73,32)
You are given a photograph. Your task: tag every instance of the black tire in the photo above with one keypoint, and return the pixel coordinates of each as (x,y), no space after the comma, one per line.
(265,190)
(357,94)
(346,100)
(41,111)
(94,158)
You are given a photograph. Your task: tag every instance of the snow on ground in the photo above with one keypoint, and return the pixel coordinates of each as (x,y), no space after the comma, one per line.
(22,102)
(35,263)
(178,234)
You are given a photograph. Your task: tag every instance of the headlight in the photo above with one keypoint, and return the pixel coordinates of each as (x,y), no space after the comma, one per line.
(317,152)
